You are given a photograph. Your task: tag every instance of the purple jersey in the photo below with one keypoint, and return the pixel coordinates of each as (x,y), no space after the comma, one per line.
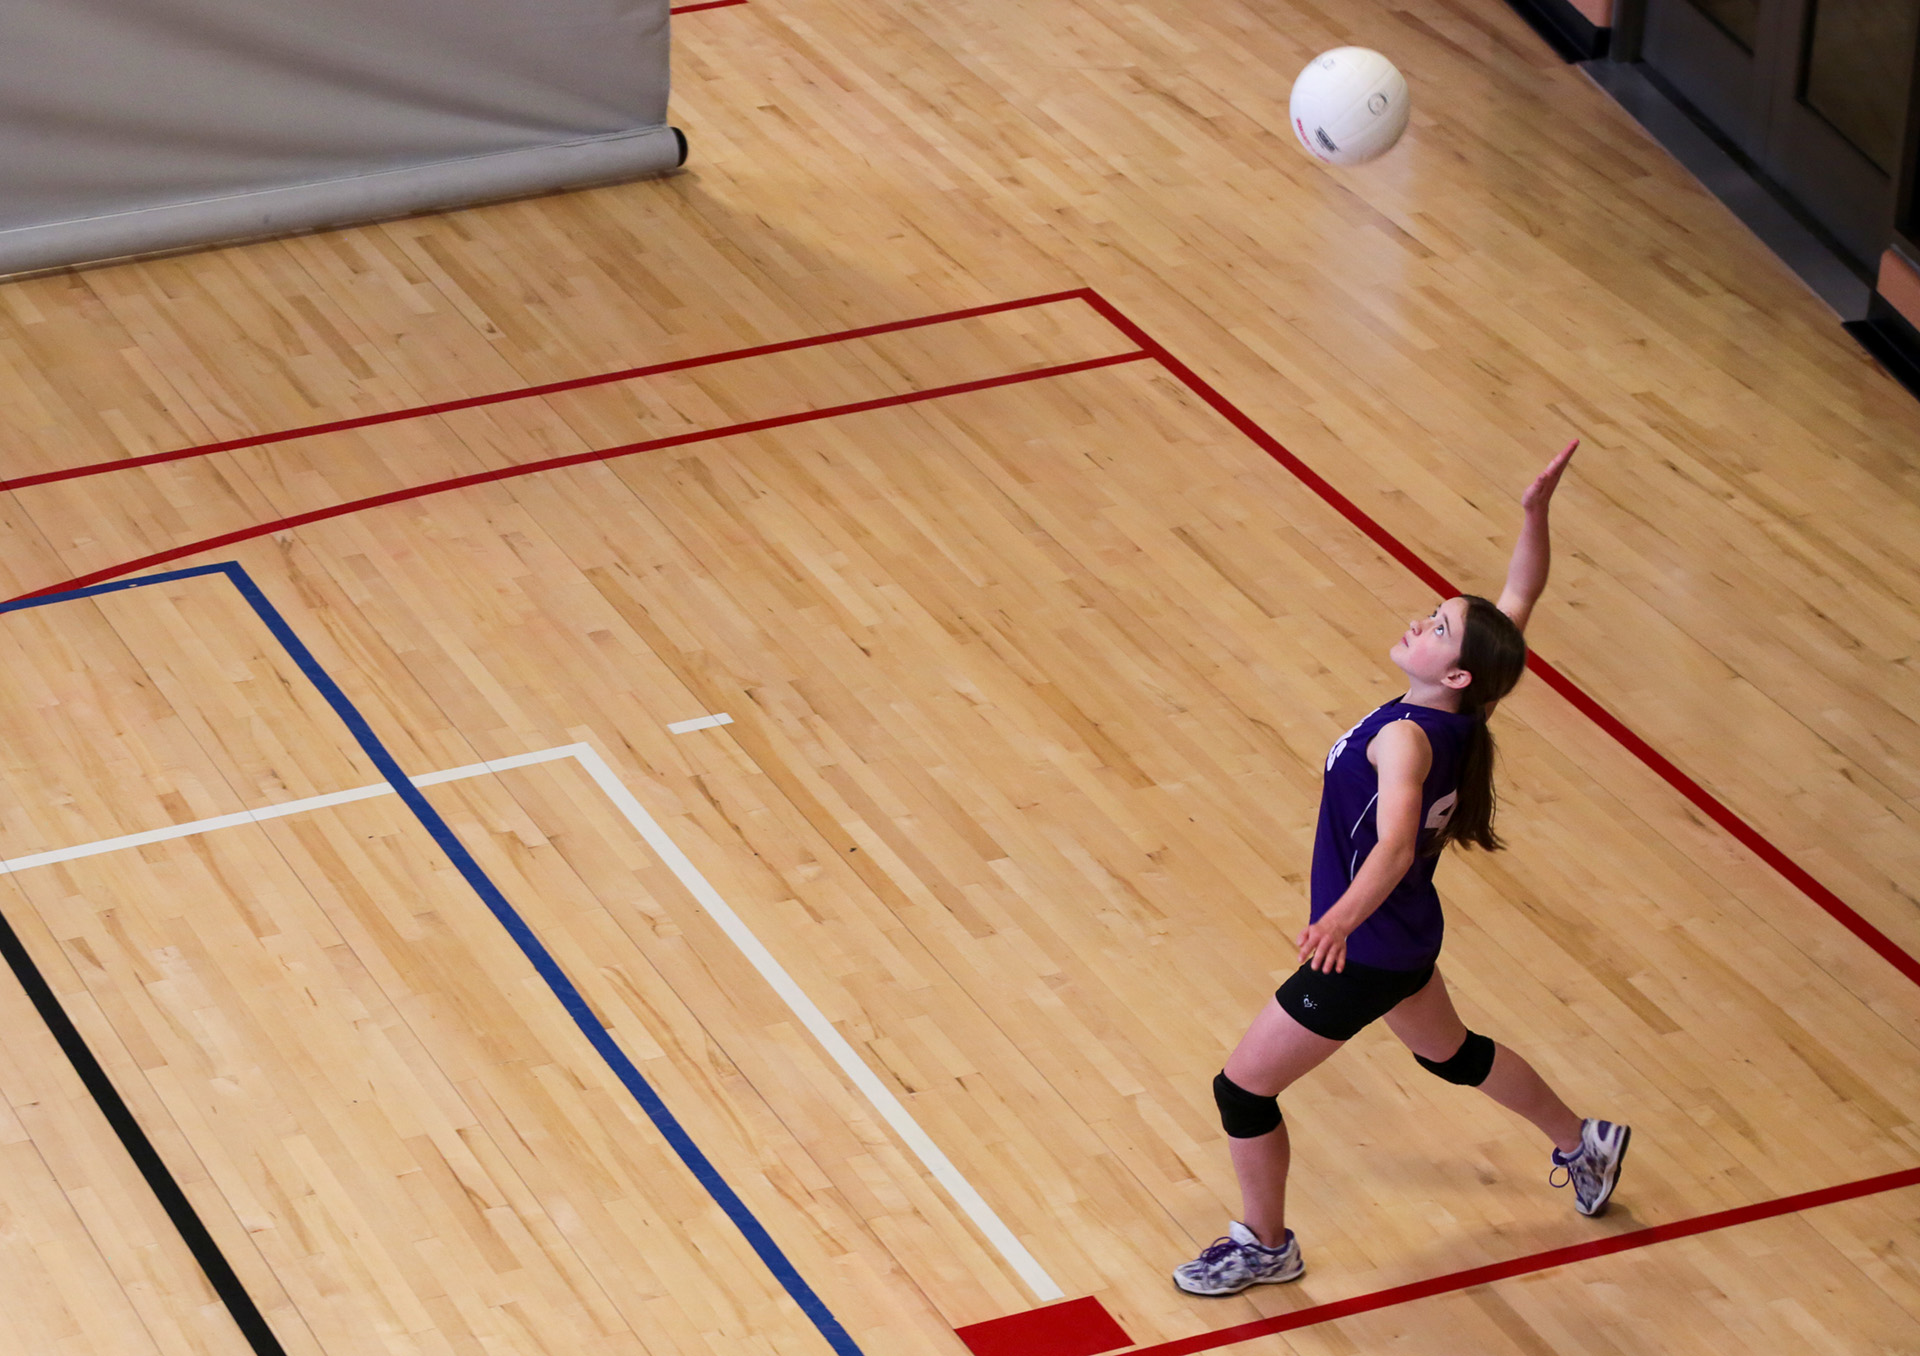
(1404,932)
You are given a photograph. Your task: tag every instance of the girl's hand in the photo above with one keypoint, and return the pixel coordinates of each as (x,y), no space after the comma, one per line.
(1324,945)
(1541,491)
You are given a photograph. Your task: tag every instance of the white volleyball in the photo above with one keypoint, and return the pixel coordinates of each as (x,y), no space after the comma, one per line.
(1349,105)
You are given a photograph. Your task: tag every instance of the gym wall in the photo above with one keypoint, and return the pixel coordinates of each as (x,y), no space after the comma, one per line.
(128,126)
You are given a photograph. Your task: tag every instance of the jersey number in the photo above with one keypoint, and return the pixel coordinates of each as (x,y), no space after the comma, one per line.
(1340,747)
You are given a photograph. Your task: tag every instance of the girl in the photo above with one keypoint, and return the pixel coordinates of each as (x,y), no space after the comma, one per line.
(1412,777)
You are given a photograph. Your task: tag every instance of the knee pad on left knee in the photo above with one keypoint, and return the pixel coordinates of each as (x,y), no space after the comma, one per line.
(1243,1114)
(1470,1064)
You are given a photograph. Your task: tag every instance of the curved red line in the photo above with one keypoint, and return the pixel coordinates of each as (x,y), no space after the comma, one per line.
(573,459)
(533,392)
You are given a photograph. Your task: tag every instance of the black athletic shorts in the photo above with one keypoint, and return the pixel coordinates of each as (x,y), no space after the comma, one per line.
(1338,1004)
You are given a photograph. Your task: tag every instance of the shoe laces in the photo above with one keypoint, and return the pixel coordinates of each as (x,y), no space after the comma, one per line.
(1219,1250)
(1565,1167)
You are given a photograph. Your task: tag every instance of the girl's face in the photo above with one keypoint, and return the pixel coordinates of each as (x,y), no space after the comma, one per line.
(1429,650)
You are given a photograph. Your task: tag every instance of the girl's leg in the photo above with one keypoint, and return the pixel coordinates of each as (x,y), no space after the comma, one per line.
(1427,1025)
(1275,1051)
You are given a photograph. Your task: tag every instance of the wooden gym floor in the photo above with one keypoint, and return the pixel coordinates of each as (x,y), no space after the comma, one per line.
(1032,454)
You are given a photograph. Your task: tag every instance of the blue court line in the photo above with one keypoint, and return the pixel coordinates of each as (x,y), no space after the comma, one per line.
(530,945)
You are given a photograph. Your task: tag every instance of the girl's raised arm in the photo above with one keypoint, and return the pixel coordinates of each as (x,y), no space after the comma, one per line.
(1532,554)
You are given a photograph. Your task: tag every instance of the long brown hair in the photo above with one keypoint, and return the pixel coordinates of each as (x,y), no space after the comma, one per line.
(1493,651)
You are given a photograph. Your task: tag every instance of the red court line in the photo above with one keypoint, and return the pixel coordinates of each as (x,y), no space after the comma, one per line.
(1539,1261)
(1152,348)
(1882,945)
(1743,832)
(705,4)
(1879,942)
(578,459)
(1302,472)
(534,392)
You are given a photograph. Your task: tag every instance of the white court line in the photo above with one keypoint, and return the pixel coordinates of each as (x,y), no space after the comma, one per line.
(292,807)
(815,1021)
(823,1031)
(700,723)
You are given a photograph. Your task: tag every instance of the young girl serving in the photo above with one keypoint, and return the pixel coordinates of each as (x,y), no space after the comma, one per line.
(1410,778)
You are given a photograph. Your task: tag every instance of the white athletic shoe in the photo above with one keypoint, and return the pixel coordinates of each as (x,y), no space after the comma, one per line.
(1231,1264)
(1594,1167)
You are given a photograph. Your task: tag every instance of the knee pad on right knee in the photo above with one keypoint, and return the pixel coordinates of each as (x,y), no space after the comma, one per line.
(1243,1114)
(1470,1064)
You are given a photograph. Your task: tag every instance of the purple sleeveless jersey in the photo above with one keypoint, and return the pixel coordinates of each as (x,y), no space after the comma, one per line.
(1404,932)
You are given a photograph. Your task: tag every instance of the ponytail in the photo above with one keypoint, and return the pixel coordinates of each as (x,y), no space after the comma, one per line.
(1494,653)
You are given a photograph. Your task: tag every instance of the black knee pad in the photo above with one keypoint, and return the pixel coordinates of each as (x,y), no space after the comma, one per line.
(1470,1064)
(1244,1115)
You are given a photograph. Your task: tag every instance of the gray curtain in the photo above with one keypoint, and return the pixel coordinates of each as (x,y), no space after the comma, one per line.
(135,125)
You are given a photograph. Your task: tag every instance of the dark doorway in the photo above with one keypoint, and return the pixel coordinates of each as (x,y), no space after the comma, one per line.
(1814,92)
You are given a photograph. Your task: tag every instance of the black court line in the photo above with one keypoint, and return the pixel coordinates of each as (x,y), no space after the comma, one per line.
(159,1178)
(252,1324)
